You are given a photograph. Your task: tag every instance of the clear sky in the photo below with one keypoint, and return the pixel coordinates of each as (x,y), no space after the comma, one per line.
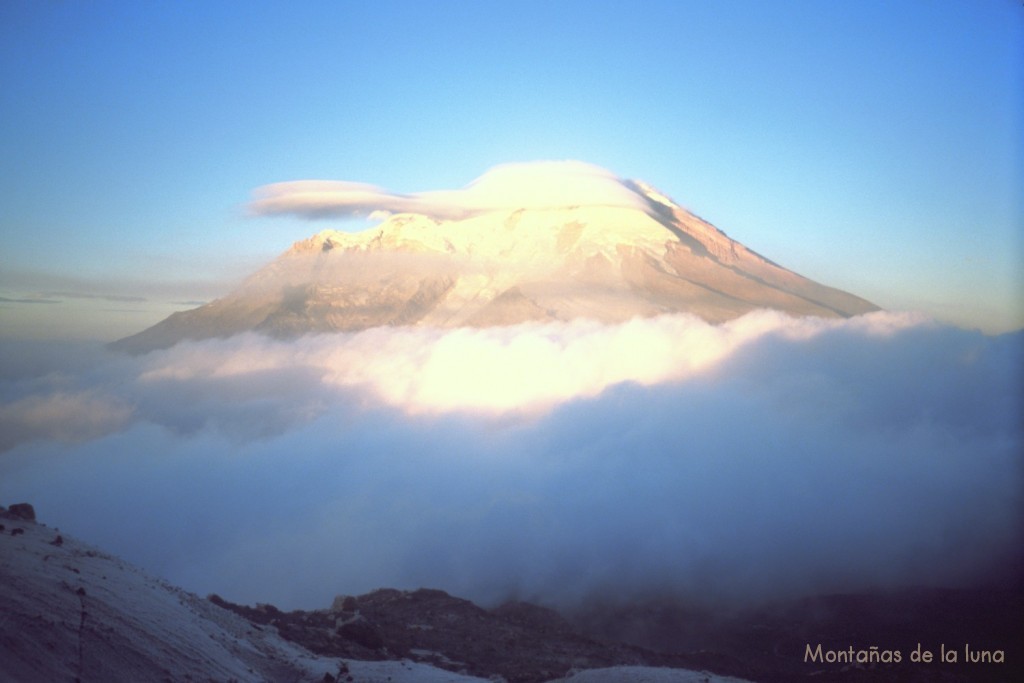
(873,146)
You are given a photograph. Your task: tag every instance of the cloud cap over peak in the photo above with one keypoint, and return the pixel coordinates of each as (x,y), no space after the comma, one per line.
(533,185)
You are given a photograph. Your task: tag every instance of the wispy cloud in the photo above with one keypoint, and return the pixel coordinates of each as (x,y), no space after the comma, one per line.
(56,297)
(30,285)
(73,417)
(28,300)
(122,298)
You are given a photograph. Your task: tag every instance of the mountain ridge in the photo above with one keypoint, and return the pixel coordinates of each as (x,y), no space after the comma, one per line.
(75,612)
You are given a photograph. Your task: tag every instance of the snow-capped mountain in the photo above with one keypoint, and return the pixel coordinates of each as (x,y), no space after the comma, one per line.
(528,242)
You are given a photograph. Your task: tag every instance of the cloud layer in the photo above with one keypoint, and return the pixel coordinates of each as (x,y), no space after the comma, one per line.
(766,457)
(529,185)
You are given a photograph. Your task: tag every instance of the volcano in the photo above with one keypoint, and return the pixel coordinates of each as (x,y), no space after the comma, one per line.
(525,242)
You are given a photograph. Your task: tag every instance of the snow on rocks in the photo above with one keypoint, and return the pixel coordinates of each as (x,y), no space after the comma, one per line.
(73,612)
(404,671)
(645,674)
(69,611)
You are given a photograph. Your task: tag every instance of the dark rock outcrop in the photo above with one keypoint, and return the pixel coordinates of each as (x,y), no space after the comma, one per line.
(22,511)
(520,642)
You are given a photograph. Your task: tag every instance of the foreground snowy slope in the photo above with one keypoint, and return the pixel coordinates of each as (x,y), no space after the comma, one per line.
(72,612)
(69,611)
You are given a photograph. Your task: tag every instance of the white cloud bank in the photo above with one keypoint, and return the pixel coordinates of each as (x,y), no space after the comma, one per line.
(769,456)
(527,368)
(544,184)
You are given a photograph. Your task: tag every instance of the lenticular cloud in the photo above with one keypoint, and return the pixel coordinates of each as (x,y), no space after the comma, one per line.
(544,184)
(764,457)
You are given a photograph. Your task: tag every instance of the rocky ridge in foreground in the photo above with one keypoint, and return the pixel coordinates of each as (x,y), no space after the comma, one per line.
(518,642)
(74,613)
(71,612)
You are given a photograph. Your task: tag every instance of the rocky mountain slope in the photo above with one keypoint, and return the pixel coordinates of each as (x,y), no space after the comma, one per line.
(70,612)
(74,613)
(601,248)
(518,642)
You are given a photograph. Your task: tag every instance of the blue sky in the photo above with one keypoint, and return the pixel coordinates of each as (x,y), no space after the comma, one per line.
(873,146)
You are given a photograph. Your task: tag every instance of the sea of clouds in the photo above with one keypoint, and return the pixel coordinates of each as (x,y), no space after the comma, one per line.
(765,457)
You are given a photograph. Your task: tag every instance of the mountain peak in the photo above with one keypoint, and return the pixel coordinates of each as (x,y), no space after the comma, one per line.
(552,240)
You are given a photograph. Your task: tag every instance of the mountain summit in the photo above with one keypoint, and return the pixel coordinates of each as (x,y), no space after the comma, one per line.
(524,242)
